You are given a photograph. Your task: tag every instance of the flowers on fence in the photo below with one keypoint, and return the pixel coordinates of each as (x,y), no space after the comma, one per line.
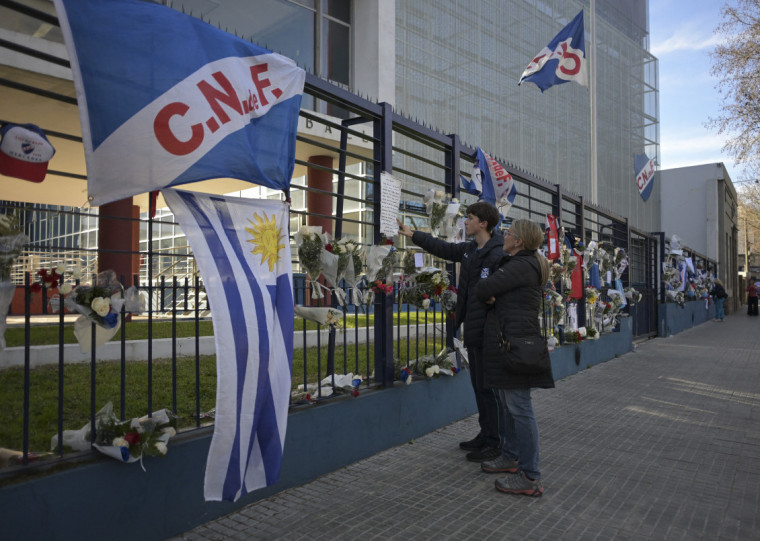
(619,264)
(321,315)
(309,246)
(633,296)
(425,286)
(12,240)
(430,366)
(449,298)
(591,294)
(100,302)
(331,385)
(130,440)
(47,279)
(443,212)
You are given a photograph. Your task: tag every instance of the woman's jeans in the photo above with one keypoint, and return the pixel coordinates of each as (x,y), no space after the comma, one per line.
(719,313)
(518,429)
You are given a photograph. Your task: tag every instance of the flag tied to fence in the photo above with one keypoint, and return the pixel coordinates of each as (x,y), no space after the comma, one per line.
(562,61)
(243,253)
(644,168)
(491,181)
(166,99)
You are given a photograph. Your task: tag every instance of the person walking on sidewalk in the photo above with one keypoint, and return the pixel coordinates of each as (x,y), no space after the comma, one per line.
(752,297)
(719,296)
(476,258)
(515,291)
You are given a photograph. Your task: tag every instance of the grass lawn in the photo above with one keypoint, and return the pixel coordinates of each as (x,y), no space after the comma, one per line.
(77,385)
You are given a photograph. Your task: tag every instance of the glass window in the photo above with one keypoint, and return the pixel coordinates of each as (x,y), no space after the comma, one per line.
(340,9)
(335,51)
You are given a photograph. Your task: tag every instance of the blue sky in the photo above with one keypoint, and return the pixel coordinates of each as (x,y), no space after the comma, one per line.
(681,37)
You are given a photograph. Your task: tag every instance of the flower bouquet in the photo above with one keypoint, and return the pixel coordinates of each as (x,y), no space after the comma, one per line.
(431,366)
(619,264)
(449,298)
(99,303)
(380,261)
(321,315)
(129,441)
(633,296)
(442,211)
(349,266)
(12,240)
(309,245)
(332,384)
(425,286)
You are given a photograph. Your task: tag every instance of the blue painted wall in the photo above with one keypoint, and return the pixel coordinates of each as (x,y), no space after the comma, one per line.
(675,319)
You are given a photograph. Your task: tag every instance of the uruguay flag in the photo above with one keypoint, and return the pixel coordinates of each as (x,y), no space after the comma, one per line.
(644,169)
(491,181)
(562,61)
(166,99)
(243,252)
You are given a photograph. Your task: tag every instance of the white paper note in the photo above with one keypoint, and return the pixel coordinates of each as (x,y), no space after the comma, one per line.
(390,196)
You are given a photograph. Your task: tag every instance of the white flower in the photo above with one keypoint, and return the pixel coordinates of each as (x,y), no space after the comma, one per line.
(101,306)
(76,274)
(436,368)
(169,430)
(161,447)
(60,269)
(65,289)
(429,371)
(120,442)
(426,304)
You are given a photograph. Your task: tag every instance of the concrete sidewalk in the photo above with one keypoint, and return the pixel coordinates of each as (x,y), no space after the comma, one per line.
(662,443)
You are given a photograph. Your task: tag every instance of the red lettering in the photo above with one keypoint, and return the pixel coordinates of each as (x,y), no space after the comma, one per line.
(214,97)
(574,58)
(167,139)
(260,84)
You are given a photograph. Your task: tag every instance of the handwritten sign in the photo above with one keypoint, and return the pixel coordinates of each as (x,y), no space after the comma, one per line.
(390,196)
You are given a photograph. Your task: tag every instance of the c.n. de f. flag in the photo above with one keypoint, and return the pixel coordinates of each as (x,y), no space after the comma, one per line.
(243,253)
(644,169)
(562,61)
(491,181)
(166,99)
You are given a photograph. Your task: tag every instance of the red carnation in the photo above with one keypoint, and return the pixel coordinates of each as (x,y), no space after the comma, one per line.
(133,438)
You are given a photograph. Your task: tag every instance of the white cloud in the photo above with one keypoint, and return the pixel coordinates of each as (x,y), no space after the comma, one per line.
(686,39)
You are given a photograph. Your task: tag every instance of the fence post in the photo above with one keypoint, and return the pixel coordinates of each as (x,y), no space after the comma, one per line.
(452,166)
(383,302)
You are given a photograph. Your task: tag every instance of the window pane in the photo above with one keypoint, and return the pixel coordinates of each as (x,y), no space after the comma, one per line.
(335,51)
(340,9)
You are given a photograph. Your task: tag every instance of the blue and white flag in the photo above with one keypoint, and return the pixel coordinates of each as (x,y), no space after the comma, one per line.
(243,252)
(644,168)
(562,61)
(491,181)
(166,99)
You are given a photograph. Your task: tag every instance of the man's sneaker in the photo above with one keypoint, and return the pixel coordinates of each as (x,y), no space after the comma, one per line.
(499,465)
(483,454)
(474,444)
(517,483)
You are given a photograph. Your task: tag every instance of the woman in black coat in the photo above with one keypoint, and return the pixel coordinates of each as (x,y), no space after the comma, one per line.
(515,291)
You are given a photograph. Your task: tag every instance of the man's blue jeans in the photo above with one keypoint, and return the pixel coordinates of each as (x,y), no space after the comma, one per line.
(518,429)
(719,313)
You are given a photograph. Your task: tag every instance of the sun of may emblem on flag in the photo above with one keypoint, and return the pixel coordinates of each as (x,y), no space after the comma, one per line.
(266,239)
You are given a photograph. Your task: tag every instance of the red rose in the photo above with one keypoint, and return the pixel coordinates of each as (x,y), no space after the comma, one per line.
(389,241)
(329,247)
(355,393)
(133,438)
(36,287)
(42,272)
(425,296)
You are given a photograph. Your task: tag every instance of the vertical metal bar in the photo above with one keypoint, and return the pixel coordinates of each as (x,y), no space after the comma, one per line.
(27,368)
(383,302)
(198,352)
(174,344)
(61,363)
(123,356)
(93,374)
(151,212)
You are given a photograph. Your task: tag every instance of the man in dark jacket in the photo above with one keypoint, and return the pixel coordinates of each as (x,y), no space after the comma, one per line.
(476,258)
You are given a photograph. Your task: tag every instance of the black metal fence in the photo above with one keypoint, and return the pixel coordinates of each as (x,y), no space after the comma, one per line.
(365,140)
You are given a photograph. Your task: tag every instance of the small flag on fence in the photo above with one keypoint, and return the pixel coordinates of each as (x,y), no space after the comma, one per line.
(243,253)
(491,181)
(562,61)
(166,99)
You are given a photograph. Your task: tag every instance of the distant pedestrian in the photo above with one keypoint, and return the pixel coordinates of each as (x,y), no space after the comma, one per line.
(719,296)
(752,297)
